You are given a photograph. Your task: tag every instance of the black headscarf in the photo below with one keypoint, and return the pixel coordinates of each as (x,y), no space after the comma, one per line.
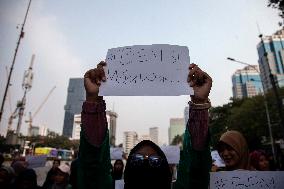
(147,177)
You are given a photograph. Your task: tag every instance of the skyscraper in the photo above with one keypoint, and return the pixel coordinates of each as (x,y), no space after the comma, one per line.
(130,139)
(154,134)
(246,82)
(274,47)
(75,99)
(177,127)
(76,127)
(111,119)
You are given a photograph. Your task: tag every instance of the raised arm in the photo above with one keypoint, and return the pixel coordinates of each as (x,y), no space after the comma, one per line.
(94,157)
(195,162)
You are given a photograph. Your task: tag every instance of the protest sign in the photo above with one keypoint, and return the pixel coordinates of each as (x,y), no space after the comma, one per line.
(147,70)
(36,161)
(247,179)
(119,184)
(217,160)
(116,153)
(172,153)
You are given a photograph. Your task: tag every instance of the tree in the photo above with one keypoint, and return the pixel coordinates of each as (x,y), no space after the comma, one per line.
(178,139)
(247,116)
(278,4)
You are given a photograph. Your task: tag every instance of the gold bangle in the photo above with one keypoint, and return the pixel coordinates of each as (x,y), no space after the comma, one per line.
(203,106)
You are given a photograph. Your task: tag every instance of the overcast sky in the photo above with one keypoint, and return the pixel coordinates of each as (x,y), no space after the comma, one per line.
(70,37)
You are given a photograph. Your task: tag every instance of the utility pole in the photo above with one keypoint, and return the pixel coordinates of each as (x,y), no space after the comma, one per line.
(274,88)
(22,33)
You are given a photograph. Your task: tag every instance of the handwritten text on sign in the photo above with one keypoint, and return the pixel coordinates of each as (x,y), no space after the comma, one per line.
(147,70)
(247,179)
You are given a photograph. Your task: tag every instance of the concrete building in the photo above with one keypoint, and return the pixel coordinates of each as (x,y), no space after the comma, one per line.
(274,47)
(34,131)
(111,120)
(177,127)
(43,130)
(186,114)
(130,139)
(75,99)
(154,135)
(246,82)
(144,137)
(76,127)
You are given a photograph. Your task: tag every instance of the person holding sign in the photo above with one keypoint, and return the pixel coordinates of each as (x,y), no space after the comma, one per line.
(146,166)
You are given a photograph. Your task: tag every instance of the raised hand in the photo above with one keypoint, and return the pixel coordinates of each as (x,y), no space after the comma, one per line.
(92,82)
(201,83)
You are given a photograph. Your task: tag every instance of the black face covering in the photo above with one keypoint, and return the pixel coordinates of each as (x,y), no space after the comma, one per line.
(144,175)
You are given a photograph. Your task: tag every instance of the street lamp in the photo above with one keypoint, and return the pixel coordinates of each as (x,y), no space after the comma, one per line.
(265,105)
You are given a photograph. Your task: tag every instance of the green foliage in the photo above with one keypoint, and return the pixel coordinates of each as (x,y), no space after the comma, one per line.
(247,116)
(177,140)
(277,4)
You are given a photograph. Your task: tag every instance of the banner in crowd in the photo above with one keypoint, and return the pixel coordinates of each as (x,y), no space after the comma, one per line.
(247,179)
(116,153)
(36,161)
(147,70)
(172,153)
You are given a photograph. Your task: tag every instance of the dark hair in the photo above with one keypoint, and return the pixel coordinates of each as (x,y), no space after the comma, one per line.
(57,160)
(135,178)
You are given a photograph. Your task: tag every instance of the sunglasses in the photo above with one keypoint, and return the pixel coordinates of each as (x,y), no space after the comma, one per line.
(138,160)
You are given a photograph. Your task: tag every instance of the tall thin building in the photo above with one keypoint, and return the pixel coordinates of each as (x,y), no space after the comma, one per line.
(274,47)
(246,82)
(177,127)
(111,119)
(74,102)
(130,139)
(186,114)
(154,134)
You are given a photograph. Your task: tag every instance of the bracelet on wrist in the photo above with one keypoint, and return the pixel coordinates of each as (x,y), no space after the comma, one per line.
(201,106)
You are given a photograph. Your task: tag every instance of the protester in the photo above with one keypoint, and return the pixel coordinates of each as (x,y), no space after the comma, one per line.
(117,171)
(233,149)
(259,160)
(27,179)
(6,176)
(19,165)
(51,173)
(1,159)
(146,158)
(73,174)
(61,178)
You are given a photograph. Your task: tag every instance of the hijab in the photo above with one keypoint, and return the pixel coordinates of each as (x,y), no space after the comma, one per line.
(147,176)
(237,141)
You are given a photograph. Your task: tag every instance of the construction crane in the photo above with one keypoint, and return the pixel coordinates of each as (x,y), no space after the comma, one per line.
(31,117)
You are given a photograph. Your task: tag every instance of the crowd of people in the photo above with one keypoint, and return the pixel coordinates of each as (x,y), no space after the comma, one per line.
(146,165)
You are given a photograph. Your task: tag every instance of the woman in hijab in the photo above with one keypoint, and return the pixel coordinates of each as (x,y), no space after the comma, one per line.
(233,149)
(147,167)
(117,171)
(259,160)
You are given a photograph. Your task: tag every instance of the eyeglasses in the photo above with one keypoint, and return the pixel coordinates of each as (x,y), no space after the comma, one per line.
(138,160)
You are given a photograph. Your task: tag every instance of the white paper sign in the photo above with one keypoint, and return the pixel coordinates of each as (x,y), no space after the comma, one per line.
(172,153)
(36,161)
(247,179)
(119,184)
(147,70)
(116,153)
(217,159)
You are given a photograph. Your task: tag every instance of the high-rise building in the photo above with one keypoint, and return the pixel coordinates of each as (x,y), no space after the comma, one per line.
(43,130)
(34,131)
(75,99)
(144,137)
(130,139)
(76,127)
(177,127)
(154,135)
(186,114)
(246,82)
(111,119)
(274,47)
